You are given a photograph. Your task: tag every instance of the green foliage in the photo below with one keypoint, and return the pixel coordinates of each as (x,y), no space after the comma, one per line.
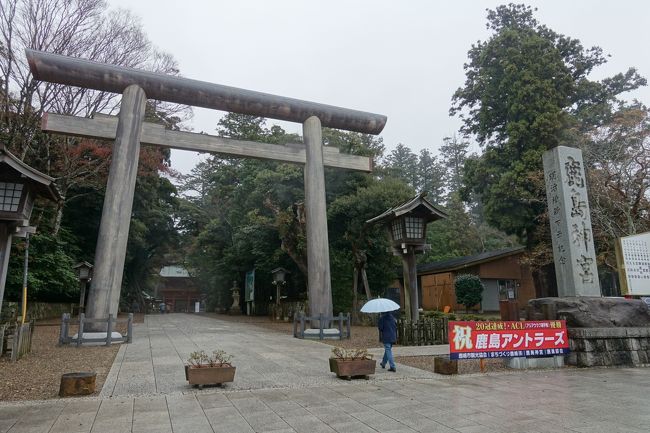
(431,177)
(453,154)
(459,235)
(402,164)
(349,235)
(250,213)
(342,271)
(435,314)
(525,88)
(50,277)
(469,290)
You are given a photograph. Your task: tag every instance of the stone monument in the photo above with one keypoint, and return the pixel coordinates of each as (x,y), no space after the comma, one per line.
(235,309)
(568,210)
(602,331)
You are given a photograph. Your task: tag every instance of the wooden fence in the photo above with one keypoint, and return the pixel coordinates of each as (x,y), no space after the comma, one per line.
(16,340)
(66,321)
(22,341)
(424,332)
(301,319)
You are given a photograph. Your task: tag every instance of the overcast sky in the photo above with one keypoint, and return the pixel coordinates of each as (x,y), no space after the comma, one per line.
(403,59)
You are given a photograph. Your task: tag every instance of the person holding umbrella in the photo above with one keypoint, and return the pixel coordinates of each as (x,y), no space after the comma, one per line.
(388,335)
(387,327)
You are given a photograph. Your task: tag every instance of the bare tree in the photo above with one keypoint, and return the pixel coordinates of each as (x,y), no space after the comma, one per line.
(618,158)
(79,28)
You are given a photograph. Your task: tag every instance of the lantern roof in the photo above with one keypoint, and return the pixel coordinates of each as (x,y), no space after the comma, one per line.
(280,269)
(42,183)
(82,264)
(418,206)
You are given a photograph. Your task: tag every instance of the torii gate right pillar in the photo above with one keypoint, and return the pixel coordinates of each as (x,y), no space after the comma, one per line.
(319,284)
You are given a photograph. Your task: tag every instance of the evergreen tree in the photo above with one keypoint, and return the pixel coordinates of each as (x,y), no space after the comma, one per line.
(525,88)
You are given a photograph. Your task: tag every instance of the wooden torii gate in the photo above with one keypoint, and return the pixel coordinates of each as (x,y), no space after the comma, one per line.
(129,131)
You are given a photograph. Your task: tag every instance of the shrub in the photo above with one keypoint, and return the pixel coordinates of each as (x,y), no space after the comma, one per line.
(469,290)
(350,354)
(201,359)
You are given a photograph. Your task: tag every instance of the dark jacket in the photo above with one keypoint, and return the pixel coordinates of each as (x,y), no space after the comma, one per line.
(387,328)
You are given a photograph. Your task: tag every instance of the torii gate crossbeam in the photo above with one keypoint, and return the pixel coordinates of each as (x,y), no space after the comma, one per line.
(136,86)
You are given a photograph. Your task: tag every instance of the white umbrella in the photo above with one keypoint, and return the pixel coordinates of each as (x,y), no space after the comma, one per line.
(379,305)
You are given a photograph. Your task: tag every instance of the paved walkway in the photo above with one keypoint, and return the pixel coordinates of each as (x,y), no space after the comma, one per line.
(283,385)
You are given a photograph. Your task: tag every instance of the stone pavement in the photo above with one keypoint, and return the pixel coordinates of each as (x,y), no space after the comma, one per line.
(283,385)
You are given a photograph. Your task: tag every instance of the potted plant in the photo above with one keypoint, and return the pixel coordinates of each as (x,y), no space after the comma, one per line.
(349,363)
(203,369)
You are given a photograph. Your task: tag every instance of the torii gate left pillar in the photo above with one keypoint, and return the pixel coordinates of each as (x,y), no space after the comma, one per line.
(110,253)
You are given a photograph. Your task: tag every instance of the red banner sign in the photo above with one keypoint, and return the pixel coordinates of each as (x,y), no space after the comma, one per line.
(470,340)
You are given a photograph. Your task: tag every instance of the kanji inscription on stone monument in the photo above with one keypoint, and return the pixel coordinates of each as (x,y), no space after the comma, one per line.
(568,210)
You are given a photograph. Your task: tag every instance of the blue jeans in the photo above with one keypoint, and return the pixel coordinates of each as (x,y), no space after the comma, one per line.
(388,355)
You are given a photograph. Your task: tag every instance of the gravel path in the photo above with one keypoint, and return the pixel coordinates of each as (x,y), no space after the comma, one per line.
(37,375)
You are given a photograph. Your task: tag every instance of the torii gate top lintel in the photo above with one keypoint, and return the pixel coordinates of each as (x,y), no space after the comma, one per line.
(73,71)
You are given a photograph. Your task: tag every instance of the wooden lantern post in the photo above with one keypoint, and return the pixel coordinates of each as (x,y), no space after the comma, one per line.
(20,184)
(407,227)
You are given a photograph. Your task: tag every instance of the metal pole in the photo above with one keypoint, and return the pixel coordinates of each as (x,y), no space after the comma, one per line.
(25,268)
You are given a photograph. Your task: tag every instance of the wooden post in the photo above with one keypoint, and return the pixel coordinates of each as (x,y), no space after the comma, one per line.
(295,326)
(80,334)
(82,294)
(348,325)
(318,256)
(407,287)
(15,343)
(5,249)
(320,329)
(110,253)
(129,329)
(66,331)
(302,326)
(77,384)
(61,330)
(340,326)
(109,330)
(411,285)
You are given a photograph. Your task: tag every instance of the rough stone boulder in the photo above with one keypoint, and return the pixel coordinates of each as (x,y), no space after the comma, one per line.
(591,312)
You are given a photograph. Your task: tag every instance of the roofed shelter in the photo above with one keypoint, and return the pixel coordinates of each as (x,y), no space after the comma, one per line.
(177,289)
(502,272)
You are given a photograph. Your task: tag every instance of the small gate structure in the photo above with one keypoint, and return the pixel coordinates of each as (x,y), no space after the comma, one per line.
(66,321)
(424,332)
(321,333)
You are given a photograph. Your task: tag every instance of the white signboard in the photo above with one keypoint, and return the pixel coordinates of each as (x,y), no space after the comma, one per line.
(634,264)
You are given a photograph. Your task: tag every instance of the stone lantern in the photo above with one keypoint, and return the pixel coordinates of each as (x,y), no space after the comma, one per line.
(84,271)
(279,275)
(19,186)
(407,227)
